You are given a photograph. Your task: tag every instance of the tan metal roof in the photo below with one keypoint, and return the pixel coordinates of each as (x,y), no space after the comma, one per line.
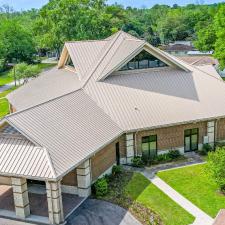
(20,157)
(71,128)
(157,97)
(84,53)
(73,118)
(48,85)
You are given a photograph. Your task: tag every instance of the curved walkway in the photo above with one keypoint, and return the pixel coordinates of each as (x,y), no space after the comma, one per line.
(96,212)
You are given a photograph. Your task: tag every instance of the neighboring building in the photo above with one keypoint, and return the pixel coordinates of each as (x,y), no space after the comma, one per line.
(108,101)
(179,48)
(183,48)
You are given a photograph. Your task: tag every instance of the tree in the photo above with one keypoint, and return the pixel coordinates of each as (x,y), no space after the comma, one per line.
(24,71)
(206,37)
(219,27)
(216,166)
(65,20)
(15,42)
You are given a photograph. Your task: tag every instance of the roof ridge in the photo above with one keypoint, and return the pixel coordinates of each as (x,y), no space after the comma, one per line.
(100,60)
(112,56)
(197,67)
(42,103)
(22,132)
(50,162)
(86,41)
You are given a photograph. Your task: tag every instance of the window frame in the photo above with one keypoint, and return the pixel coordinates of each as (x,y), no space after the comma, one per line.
(142,56)
(149,141)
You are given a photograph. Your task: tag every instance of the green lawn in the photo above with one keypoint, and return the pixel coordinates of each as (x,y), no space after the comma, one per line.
(5,78)
(44,66)
(136,193)
(194,184)
(4,107)
(141,189)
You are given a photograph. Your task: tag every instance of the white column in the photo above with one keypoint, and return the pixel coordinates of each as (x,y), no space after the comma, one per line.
(21,199)
(84,179)
(211,132)
(55,206)
(130,147)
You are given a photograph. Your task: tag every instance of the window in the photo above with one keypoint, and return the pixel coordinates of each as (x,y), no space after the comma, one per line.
(149,147)
(69,62)
(142,61)
(191,140)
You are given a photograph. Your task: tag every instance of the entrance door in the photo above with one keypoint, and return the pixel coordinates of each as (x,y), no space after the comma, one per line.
(117,153)
(191,140)
(149,147)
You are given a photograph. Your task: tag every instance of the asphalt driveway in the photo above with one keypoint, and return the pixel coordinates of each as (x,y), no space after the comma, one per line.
(96,212)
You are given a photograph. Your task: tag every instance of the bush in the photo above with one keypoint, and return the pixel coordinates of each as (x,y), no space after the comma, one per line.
(216,167)
(137,161)
(101,187)
(174,154)
(205,149)
(117,170)
(167,157)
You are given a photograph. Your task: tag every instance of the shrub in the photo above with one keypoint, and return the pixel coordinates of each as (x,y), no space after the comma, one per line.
(117,170)
(174,154)
(162,157)
(216,167)
(137,161)
(101,187)
(205,149)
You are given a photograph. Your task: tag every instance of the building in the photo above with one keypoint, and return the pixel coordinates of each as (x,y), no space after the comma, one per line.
(179,48)
(108,101)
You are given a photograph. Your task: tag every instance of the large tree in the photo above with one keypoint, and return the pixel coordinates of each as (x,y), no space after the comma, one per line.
(16,42)
(64,20)
(219,27)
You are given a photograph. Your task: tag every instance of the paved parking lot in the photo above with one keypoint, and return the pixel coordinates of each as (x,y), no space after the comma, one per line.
(95,212)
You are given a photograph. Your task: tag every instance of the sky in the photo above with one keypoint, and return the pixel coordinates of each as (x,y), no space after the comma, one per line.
(28,4)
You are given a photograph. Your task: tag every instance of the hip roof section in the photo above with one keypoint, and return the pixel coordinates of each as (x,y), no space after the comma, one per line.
(71,128)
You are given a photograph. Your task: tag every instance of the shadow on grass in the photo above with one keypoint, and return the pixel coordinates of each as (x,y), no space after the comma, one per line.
(125,189)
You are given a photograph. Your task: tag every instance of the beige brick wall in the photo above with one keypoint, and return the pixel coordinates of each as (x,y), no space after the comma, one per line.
(105,158)
(171,137)
(220,135)
(70,179)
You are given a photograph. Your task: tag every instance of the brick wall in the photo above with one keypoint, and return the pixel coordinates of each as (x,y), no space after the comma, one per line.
(105,158)
(70,179)
(171,137)
(220,135)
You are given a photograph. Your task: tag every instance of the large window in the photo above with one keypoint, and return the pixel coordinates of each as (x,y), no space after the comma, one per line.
(142,61)
(191,140)
(149,147)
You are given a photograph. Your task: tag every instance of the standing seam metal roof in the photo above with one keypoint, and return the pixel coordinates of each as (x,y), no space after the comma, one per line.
(69,126)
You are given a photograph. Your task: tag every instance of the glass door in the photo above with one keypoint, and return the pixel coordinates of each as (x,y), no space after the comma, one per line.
(149,147)
(191,140)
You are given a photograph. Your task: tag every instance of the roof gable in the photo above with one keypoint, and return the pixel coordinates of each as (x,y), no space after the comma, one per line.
(83,54)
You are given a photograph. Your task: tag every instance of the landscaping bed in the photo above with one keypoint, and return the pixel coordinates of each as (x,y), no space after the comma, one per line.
(194,183)
(144,200)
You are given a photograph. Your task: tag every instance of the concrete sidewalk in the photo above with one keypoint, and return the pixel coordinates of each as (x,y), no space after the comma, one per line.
(201,217)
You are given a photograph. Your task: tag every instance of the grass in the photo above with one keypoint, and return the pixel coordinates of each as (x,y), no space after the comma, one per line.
(4,93)
(194,184)
(5,78)
(4,107)
(136,193)
(44,66)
